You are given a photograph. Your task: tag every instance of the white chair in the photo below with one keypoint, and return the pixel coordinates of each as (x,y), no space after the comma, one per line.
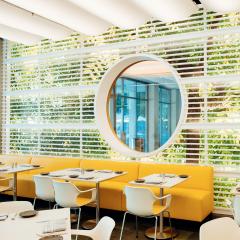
(220,229)
(44,189)
(236,209)
(142,202)
(102,231)
(15,207)
(69,196)
(6,183)
(234,205)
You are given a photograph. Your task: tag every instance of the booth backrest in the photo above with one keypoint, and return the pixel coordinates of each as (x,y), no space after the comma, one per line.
(130,167)
(201,177)
(19,159)
(55,163)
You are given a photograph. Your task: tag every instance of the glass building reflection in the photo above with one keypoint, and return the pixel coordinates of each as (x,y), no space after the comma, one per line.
(144,106)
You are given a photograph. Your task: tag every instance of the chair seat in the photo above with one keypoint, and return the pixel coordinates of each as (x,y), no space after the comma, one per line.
(110,193)
(83,201)
(4,188)
(157,209)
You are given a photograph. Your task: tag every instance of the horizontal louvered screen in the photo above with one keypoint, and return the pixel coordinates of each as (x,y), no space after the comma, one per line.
(49,91)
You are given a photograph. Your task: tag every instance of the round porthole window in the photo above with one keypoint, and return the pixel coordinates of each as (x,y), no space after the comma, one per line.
(139,106)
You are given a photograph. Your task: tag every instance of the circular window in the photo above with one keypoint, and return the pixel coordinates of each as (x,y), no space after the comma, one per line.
(139,105)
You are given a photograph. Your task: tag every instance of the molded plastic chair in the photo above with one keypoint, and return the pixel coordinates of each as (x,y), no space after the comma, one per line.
(141,202)
(220,229)
(234,205)
(44,189)
(69,196)
(15,207)
(102,231)
(9,186)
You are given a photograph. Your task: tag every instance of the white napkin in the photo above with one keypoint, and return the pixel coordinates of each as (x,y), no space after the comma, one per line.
(52,226)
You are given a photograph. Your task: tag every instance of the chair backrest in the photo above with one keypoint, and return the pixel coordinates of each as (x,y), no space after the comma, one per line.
(103,230)
(139,201)
(236,209)
(44,188)
(65,194)
(220,229)
(15,207)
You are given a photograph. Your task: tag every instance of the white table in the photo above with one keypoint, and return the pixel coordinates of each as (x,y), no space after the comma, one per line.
(15,170)
(98,177)
(30,228)
(168,181)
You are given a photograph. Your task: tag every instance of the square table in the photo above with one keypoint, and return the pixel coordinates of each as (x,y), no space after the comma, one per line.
(15,170)
(30,228)
(98,176)
(160,181)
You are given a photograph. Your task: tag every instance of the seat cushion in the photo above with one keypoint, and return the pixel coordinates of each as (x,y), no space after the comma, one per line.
(26,186)
(188,204)
(130,167)
(110,193)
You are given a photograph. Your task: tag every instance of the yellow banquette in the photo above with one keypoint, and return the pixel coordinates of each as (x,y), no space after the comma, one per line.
(191,200)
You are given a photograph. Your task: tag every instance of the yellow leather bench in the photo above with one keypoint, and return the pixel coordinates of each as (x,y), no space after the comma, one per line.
(191,200)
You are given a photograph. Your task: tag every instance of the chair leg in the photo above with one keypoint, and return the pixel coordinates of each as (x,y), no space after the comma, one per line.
(34,202)
(78,222)
(124,217)
(136,227)
(156,222)
(49,204)
(170,223)
(79,215)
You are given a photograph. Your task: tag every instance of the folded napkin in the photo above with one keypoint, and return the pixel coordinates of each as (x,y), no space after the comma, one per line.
(85,177)
(25,165)
(105,171)
(153,182)
(52,226)
(4,169)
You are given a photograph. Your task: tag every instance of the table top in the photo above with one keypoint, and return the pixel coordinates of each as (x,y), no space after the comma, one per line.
(19,168)
(31,228)
(94,176)
(157,180)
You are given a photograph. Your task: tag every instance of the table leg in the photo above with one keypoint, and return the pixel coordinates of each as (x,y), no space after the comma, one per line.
(14,186)
(162,233)
(90,224)
(97,202)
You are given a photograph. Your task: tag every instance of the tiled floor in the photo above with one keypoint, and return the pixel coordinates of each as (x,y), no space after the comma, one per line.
(187,230)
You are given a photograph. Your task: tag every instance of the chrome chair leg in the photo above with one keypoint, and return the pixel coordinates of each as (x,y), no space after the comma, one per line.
(156,222)
(124,217)
(78,222)
(79,215)
(34,202)
(136,227)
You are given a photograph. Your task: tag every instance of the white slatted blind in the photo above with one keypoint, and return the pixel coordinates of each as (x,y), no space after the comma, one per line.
(49,90)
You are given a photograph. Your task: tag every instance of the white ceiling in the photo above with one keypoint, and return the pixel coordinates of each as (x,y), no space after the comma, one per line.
(29,21)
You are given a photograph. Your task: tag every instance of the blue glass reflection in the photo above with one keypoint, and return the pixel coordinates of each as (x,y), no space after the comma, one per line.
(144,109)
